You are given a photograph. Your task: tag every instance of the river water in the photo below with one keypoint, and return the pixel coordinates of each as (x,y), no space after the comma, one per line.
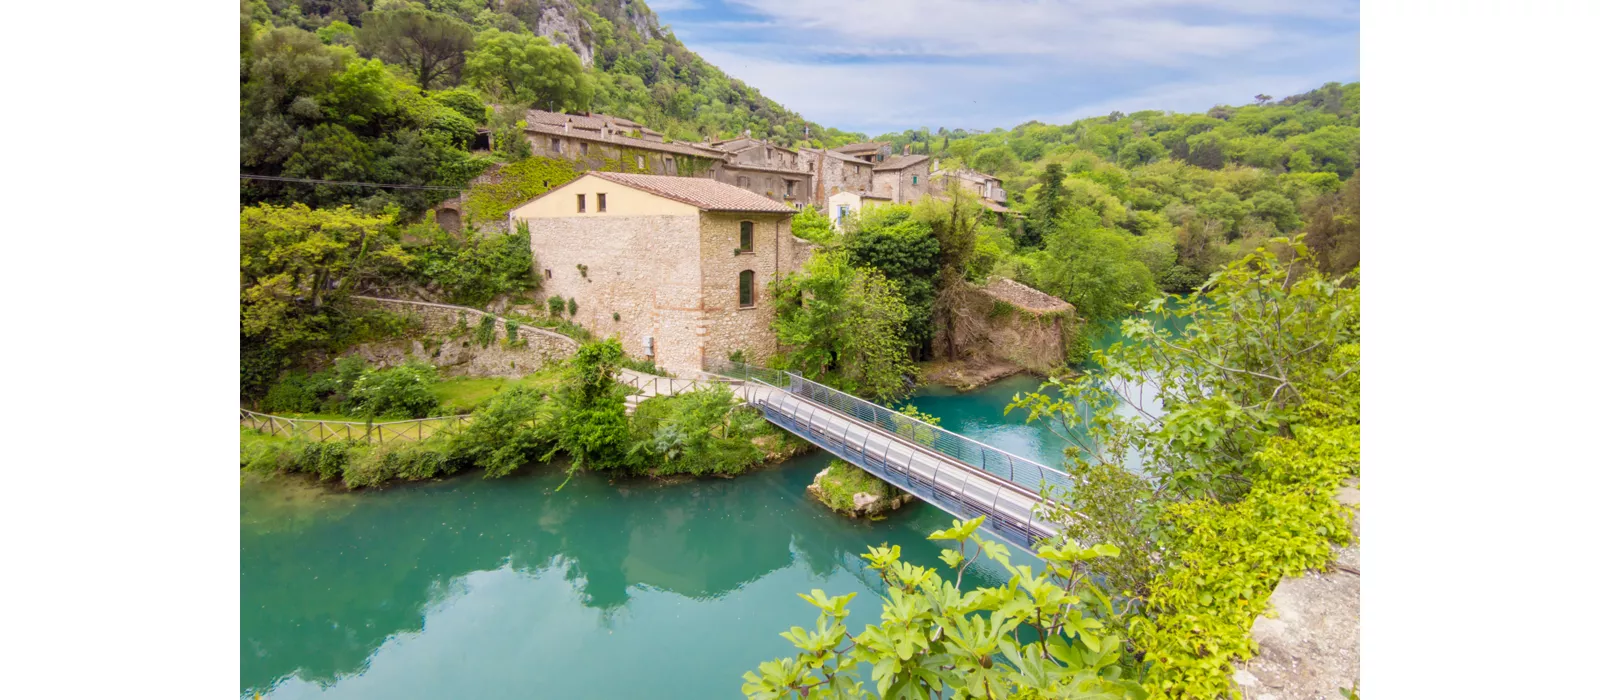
(474,588)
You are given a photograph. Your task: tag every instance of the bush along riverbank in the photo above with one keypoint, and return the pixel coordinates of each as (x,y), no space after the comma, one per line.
(575,408)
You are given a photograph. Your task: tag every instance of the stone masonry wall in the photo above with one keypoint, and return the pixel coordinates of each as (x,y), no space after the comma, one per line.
(463,356)
(986,331)
(727,327)
(644,269)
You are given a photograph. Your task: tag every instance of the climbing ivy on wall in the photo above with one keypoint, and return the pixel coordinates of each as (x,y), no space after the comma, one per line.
(519,182)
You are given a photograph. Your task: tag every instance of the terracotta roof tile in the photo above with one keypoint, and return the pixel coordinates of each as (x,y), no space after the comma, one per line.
(701,192)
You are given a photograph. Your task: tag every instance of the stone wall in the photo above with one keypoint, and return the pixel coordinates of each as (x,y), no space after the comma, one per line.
(991,326)
(898,185)
(727,327)
(644,269)
(463,356)
(837,175)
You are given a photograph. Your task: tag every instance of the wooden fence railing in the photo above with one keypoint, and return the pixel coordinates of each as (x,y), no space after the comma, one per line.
(370,433)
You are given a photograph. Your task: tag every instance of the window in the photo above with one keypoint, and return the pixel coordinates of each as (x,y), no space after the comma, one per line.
(600,202)
(555,144)
(858,169)
(788,187)
(672,166)
(747,289)
(639,161)
(744,181)
(583,148)
(913,179)
(747,236)
(547,274)
(580,204)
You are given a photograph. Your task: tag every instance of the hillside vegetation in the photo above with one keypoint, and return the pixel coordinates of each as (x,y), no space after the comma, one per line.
(394,92)
(1180,195)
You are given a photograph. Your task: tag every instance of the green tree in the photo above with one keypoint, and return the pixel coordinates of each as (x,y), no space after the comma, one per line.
(1044,208)
(1334,232)
(428,44)
(1094,268)
(905,250)
(1141,151)
(294,263)
(812,225)
(847,326)
(932,637)
(526,68)
(593,424)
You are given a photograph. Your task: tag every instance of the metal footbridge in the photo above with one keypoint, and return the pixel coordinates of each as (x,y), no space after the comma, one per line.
(959,475)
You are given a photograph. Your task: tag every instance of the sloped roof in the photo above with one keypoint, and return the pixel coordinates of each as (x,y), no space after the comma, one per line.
(584,121)
(706,194)
(899,162)
(590,135)
(1024,297)
(863,147)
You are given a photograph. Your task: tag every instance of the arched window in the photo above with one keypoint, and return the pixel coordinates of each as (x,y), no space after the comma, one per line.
(747,289)
(747,236)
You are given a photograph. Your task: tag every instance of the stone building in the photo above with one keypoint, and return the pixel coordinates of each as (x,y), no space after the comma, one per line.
(604,142)
(902,178)
(834,172)
(987,187)
(870,151)
(843,205)
(677,267)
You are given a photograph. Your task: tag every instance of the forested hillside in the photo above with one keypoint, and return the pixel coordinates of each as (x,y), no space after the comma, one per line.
(394,91)
(1115,207)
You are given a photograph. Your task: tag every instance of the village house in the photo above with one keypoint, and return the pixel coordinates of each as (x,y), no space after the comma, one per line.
(902,178)
(766,169)
(604,142)
(987,187)
(843,205)
(870,151)
(677,267)
(834,172)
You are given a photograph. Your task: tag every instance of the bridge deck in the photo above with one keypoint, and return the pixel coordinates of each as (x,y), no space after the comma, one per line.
(956,474)
(957,488)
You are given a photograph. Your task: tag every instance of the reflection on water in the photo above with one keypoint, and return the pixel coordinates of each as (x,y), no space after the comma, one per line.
(474,588)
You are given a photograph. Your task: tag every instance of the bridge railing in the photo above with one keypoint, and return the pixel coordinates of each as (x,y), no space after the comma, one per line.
(1019,470)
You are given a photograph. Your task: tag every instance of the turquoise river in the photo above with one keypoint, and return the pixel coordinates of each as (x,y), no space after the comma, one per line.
(472,588)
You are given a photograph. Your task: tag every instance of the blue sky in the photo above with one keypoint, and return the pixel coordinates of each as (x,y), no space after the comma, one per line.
(889,65)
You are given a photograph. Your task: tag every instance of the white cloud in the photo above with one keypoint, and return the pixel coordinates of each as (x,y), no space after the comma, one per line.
(888,65)
(1139,30)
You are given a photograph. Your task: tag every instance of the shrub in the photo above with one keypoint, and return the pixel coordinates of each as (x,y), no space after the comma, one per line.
(572,306)
(295,393)
(557,305)
(397,391)
(513,430)
(485,333)
(412,461)
(512,327)
(844,480)
(697,432)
